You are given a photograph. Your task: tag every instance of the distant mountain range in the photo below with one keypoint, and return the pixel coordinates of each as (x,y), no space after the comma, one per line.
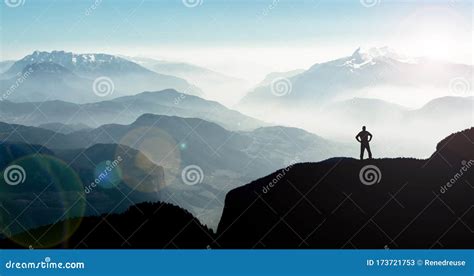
(276,75)
(80,78)
(365,73)
(93,144)
(399,131)
(174,143)
(216,86)
(5,65)
(72,183)
(454,112)
(63,128)
(124,110)
(323,205)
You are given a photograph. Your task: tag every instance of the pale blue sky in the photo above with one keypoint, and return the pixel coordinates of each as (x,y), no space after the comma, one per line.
(319,30)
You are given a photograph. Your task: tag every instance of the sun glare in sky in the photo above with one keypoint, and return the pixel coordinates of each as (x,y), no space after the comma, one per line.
(436,32)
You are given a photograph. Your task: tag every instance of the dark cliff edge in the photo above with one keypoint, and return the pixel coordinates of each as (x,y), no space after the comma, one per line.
(414,204)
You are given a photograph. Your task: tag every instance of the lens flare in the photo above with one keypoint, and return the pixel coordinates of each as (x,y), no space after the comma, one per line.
(51,194)
(157,149)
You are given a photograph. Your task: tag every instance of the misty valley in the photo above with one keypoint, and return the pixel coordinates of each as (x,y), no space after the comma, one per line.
(111,151)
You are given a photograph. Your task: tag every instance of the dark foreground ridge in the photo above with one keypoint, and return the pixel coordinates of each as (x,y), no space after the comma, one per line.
(325,205)
(409,204)
(145,225)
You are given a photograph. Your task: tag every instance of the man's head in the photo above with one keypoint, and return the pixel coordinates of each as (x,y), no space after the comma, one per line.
(363,128)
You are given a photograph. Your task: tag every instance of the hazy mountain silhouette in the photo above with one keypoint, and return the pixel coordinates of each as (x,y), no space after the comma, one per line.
(216,86)
(452,110)
(325,205)
(228,159)
(310,205)
(125,110)
(146,225)
(443,108)
(5,65)
(14,133)
(70,77)
(64,128)
(372,70)
(207,144)
(275,75)
(45,81)
(401,131)
(59,184)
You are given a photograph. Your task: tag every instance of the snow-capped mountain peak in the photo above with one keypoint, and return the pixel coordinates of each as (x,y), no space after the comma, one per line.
(74,76)
(68,58)
(370,56)
(86,65)
(366,55)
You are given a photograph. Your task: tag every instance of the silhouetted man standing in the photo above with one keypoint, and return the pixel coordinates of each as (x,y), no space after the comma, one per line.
(364,137)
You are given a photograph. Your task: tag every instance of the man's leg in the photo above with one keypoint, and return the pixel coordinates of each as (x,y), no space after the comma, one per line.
(368,150)
(362,148)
